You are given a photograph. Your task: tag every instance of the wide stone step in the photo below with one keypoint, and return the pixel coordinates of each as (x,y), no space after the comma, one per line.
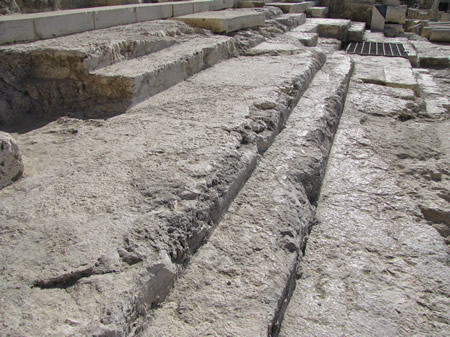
(32,27)
(129,199)
(356,31)
(225,21)
(317,12)
(371,255)
(241,280)
(137,79)
(47,79)
(327,28)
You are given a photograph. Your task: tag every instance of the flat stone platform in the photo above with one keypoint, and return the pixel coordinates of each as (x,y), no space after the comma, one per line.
(31,27)
(225,21)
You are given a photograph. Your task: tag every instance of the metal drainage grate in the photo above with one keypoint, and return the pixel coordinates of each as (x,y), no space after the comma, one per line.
(377,49)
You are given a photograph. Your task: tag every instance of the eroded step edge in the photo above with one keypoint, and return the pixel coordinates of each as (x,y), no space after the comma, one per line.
(240,282)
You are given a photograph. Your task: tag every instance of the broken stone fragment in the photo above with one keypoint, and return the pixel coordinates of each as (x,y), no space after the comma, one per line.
(11,166)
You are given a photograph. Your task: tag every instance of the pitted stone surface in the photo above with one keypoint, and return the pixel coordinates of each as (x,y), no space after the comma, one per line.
(239,282)
(225,21)
(11,165)
(127,200)
(373,264)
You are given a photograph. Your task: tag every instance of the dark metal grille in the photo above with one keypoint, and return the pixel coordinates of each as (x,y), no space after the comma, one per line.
(377,49)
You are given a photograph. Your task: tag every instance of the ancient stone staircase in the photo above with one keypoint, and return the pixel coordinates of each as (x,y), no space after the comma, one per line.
(180,187)
(186,154)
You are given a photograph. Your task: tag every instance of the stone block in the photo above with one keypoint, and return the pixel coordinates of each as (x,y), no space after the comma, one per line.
(182,8)
(288,7)
(378,20)
(16,30)
(11,166)
(356,31)
(114,16)
(440,35)
(251,4)
(153,12)
(225,21)
(63,23)
(202,6)
(307,39)
(396,14)
(317,12)
(393,29)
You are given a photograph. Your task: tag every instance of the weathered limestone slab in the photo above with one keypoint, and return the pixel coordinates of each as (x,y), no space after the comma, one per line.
(12,30)
(332,28)
(154,12)
(317,12)
(114,15)
(396,14)
(432,56)
(30,27)
(436,103)
(124,218)
(393,72)
(11,165)
(241,279)
(371,254)
(146,76)
(307,39)
(50,77)
(288,7)
(356,31)
(440,35)
(225,21)
(182,8)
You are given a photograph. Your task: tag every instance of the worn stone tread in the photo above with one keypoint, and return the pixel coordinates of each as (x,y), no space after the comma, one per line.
(240,281)
(373,266)
(147,75)
(127,200)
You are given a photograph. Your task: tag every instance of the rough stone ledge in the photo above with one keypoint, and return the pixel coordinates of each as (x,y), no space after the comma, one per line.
(240,282)
(124,219)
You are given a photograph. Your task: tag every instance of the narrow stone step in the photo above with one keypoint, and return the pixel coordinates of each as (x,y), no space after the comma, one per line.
(125,219)
(225,21)
(373,265)
(140,78)
(317,12)
(240,281)
(288,7)
(327,28)
(356,32)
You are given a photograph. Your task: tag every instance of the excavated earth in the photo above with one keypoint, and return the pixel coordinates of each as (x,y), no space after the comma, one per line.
(237,202)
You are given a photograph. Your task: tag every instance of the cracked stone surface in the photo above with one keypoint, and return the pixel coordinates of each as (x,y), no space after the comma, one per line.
(376,263)
(113,206)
